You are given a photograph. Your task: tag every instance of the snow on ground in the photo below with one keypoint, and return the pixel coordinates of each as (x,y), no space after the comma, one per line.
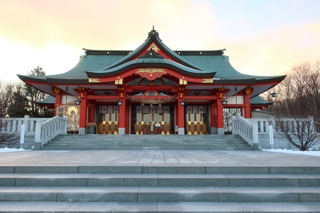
(12,150)
(312,153)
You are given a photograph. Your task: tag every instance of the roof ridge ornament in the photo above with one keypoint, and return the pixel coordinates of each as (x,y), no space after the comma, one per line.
(151,54)
(153,32)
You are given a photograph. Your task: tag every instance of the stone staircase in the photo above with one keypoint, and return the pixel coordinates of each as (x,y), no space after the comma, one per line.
(163,188)
(148,142)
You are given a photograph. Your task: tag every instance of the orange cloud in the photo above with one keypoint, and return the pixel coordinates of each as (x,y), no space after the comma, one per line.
(105,24)
(276,52)
(49,31)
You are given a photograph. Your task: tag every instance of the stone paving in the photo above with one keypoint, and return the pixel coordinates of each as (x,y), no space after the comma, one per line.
(159,181)
(157,157)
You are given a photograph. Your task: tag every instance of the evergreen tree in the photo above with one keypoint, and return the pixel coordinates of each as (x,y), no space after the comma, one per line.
(34,95)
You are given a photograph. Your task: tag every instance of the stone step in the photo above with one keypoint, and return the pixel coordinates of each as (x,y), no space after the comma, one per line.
(160,146)
(146,142)
(91,147)
(160,194)
(133,138)
(164,207)
(159,169)
(118,179)
(149,142)
(146,136)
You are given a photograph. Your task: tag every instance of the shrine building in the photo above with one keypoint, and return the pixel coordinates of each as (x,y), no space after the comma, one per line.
(153,90)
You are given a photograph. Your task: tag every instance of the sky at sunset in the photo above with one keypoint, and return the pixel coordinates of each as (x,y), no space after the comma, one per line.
(261,37)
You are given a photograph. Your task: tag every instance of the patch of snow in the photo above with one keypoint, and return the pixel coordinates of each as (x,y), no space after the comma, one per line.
(312,153)
(11,150)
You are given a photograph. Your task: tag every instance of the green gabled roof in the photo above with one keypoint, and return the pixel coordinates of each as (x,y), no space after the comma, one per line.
(49,100)
(153,36)
(221,65)
(77,74)
(195,63)
(88,62)
(258,100)
(199,52)
(147,62)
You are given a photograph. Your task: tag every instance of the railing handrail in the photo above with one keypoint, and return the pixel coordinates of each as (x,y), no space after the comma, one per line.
(49,129)
(44,129)
(247,130)
(11,125)
(11,118)
(263,123)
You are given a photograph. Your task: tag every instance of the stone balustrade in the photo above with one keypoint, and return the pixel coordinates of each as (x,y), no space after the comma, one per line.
(292,123)
(42,129)
(11,125)
(248,130)
(255,131)
(49,129)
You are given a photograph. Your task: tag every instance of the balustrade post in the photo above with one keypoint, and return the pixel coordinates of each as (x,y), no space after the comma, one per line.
(8,129)
(38,135)
(234,126)
(65,125)
(14,126)
(255,136)
(26,122)
(312,126)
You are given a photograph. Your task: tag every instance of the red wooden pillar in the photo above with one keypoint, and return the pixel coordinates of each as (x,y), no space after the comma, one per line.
(220,118)
(83,116)
(213,119)
(91,114)
(247,107)
(57,103)
(122,118)
(180,118)
(127,124)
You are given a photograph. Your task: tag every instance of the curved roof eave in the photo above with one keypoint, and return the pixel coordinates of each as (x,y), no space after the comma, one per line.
(39,79)
(267,79)
(250,81)
(49,100)
(67,81)
(258,100)
(266,103)
(150,62)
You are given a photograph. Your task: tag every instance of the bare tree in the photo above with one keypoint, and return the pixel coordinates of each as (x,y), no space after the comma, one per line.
(8,139)
(299,100)
(9,105)
(300,132)
(299,92)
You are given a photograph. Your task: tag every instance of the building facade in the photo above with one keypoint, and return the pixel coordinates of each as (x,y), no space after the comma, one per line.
(152,90)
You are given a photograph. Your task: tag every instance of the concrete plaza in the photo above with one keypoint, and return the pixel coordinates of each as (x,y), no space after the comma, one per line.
(158,157)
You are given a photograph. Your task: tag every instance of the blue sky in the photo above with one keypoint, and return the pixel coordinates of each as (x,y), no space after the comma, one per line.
(241,18)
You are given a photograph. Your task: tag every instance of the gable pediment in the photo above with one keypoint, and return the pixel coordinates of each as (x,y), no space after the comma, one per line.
(155,43)
(140,81)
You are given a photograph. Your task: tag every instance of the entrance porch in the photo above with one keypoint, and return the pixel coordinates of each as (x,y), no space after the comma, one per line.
(165,120)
